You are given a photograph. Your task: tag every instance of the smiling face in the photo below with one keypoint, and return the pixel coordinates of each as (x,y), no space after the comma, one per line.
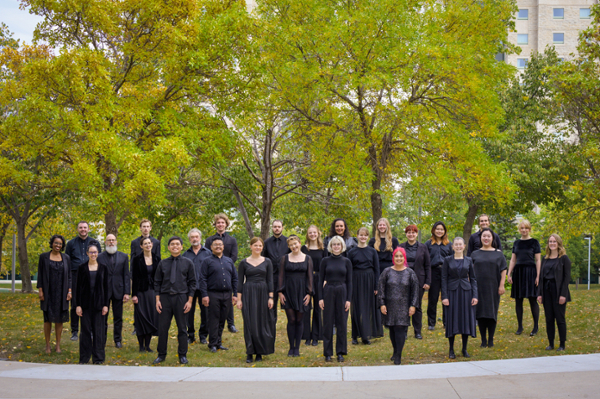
(83,229)
(294,246)
(439,231)
(336,248)
(382,227)
(340,228)
(57,245)
(524,230)
(363,237)
(195,239)
(552,244)
(411,236)
(92,253)
(487,238)
(313,234)
(146,245)
(221,225)
(399,259)
(484,222)
(458,246)
(175,247)
(257,248)
(217,247)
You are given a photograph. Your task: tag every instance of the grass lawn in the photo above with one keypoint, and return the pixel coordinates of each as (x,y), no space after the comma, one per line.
(22,339)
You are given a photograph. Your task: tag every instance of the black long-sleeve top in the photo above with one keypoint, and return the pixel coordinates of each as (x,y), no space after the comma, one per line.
(136,248)
(274,249)
(77,251)
(141,280)
(197,259)
(218,274)
(475,242)
(248,272)
(317,255)
(336,269)
(437,252)
(43,280)
(365,258)
(84,296)
(230,245)
(385,257)
(185,277)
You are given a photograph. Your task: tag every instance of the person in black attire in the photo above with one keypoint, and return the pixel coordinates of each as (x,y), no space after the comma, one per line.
(313,332)
(54,289)
(91,304)
(524,275)
(197,253)
(77,251)
(274,248)
(256,280)
(336,294)
(174,286)
(340,228)
(230,250)
(417,257)
(218,287)
(459,295)
(475,239)
(384,243)
(366,316)
(553,291)
(439,247)
(295,289)
(145,316)
(118,284)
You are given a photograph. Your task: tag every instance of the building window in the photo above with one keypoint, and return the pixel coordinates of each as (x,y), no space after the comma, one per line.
(522,38)
(521,63)
(523,14)
(500,57)
(559,13)
(558,38)
(584,13)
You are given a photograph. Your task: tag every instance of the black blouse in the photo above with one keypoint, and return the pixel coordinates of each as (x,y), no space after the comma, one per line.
(316,255)
(525,251)
(365,258)
(337,269)
(385,257)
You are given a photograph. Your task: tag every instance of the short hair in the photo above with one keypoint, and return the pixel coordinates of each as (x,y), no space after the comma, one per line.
(458,238)
(482,215)
(61,238)
(277,220)
(411,227)
(291,238)
(220,216)
(336,239)
(194,230)
(363,229)
(145,221)
(254,240)
(559,246)
(175,238)
(215,240)
(84,222)
(525,223)
(96,244)
(144,239)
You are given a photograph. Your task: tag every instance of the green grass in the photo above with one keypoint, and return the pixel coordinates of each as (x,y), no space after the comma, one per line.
(22,339)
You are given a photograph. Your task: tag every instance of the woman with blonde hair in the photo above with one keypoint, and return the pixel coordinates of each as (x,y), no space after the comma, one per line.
(553,292)
(384,243)
(313,247)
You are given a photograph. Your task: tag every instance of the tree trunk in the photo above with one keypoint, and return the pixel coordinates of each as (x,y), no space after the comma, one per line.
(110,223)
(26,287)
(376,201)
(243,211)
(267,204)
(470,219)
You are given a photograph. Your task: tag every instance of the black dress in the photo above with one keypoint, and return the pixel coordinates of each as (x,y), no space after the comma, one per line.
(385,257)
(145,315)
(525,272)
(488,266)
(398,291)
(55,312)
(459,286)
(295,282)
(259,325)
(366,316)
(314,331)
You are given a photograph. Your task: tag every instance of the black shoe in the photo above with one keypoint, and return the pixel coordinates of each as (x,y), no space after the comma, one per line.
(397,359)
(98,362)
(519,331)
(158,360)
(549,347)
(213,349)
(190,341)
(142,350)
(451,355)
(483,345)
(203,341)
(393,357)
(183,360)
(118,345)
(534,332)
(490,344)
(418,336)
(315,342)
(297,352)
(366,342)
(149,350)
(354,341)
(307,343)
(340,359)
(291,353)
(431,328)
(232,329)
(327,358)
(465,353)
(74,336)
(258,358)
(560,348)
(249,359)
(221,347)
(134,332)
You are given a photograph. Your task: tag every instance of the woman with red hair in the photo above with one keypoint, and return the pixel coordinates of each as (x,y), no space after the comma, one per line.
(398,297)
(417,258)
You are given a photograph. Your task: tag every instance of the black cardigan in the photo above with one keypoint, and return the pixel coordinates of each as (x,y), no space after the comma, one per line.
(422,264)
(139,273)
(83,295)
(562,276)
(452,279)
(43,280)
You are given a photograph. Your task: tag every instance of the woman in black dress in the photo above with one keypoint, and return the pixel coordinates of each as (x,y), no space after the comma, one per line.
(313,332)
(143,297)
(554,291)
(489,264)
(256,278)
(54,285)
(366,317)
(439,247)
(340,228)
(91,301)
(336,293)
(459,295)
(398,297)
(384,243)
(295,290)
(524,275)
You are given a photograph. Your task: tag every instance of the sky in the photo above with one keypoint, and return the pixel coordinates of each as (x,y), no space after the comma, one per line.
(20,22)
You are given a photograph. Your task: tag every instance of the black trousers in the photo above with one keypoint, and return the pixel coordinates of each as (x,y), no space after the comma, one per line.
(434,296)
(203,331)
(117,307)
(314,331)
(334,298)
(554,312)
(172,306)
(92,339)
(74,317)
(230,321)
(417,318)
(219,306)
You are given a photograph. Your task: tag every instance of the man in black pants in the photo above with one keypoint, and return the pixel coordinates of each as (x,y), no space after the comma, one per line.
(275,247)
(218,287)
(174,284)
(197,253)
(230,249)
(77,250)
(119,282)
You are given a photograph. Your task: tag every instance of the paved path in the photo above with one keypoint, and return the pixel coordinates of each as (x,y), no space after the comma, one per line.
(573,376)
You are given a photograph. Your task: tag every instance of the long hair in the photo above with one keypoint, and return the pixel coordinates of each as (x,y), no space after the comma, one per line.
(560,248)
(388,236)
(319,238)
(445,240)
(332,232)
(403,253)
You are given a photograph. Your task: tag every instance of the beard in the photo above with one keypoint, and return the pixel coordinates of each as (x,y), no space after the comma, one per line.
(112,249)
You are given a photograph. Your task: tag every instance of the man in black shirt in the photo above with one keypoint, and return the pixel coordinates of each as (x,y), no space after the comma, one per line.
(175,285)
(197,253)
(475,239)
(275,248)
(119,283)
(218,287)
(77,250)
(230,249)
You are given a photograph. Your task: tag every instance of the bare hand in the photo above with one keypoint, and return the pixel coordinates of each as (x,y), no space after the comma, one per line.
(306,299)
(375,292)
(501,290)
(69,296)
(270,303)
(347,307)
(474,301)
(540,300)
(239,305)
(158,306)
(79,311)
(234,300)
(41,295)
(125,298)
(205,301)
(562,300)
(509,279)
(411,311)
(384,310)
(134,299)
(537,281)
(426,287)
(282,298)
(445,302)
(104,310)
(322,304)
(187,307)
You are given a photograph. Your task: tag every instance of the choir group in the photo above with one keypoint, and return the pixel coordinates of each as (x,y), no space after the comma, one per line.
(378,281)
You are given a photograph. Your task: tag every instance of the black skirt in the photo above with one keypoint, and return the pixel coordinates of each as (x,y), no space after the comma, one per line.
(365,314)
(145,314)
(460,315)
(259,323)
(523,285)
(295,291)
